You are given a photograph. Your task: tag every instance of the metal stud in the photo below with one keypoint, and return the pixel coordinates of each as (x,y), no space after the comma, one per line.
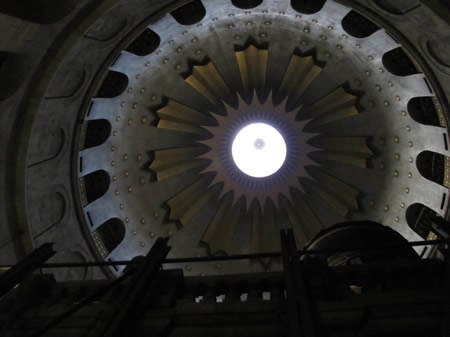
(407,190)
(402,205)
(113,148)
(125,156)
(142,221)
(397,219)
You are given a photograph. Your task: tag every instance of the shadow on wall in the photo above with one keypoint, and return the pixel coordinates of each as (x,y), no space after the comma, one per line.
(38,11)
(13,70)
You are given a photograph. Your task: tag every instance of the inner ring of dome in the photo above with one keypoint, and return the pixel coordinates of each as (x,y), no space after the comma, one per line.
(259,150)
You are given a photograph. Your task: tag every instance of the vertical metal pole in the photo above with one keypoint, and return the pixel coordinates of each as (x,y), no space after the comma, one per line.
(292,309)
(446,311)
(298,304)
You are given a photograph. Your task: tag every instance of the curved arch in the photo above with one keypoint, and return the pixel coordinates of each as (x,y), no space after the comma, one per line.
(112,233)
(246,4)
(420,219)
(398,63)
(431,166)
(307,6)
(96,185)
(190,13)
(358,26)
(113,85)
(144,44)
(97,132)
(423,111)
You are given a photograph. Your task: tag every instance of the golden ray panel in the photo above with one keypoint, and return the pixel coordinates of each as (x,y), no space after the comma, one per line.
(252,64)
(171,162)
(241,199)
(208,82)
(301,72)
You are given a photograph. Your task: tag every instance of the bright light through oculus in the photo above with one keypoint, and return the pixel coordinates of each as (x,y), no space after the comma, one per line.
(259,150)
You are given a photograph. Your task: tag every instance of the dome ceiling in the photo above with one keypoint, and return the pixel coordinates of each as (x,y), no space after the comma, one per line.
(355,109)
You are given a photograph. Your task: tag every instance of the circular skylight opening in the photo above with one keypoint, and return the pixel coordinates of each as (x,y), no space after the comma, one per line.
(259,150)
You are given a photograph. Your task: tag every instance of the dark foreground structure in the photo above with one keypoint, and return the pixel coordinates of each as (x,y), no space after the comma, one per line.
(321,292)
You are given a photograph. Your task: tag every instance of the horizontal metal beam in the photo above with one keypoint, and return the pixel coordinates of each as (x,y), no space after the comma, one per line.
(236,257)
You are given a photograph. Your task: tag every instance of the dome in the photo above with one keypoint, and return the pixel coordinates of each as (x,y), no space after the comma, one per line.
(123,127)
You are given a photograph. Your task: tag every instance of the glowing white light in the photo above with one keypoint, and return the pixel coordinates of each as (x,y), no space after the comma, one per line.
(259,150)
